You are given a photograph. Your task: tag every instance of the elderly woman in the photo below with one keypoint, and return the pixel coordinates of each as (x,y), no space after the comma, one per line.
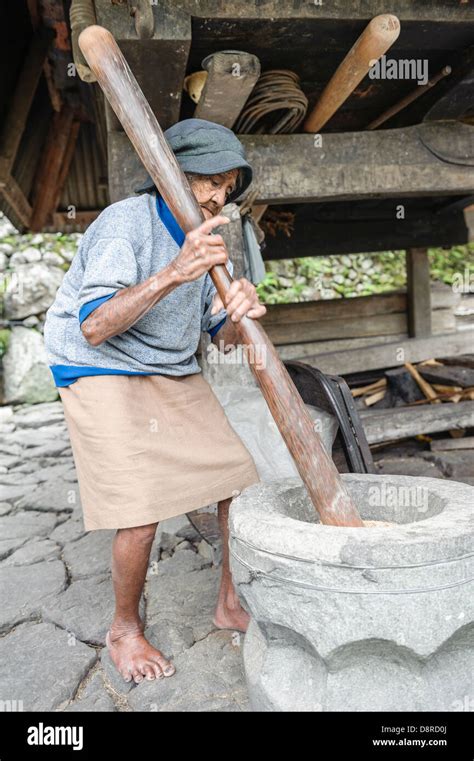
(149,438)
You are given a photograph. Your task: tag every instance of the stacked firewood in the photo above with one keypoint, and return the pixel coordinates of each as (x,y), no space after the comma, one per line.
(429,382)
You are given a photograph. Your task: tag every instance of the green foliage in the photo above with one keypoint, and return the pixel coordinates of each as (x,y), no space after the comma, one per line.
(346,276)
(4,338)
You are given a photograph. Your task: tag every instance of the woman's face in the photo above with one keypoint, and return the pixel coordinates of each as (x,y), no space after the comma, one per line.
(212,191)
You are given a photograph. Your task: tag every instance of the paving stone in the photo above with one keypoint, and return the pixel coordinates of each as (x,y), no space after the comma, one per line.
(182,599)
(50,449)
(90,555)
(92,697)
(9,461)
(25,589)
(24,467)
(182,562)
(6,428)
(16,529)
(54,495)
(62,470)
(33,552)
(6,414)
(458,466)
(209,677)
(5,508)
(9,448)
(39,415)
(184,545)
(41,667)
(14,478)
(408,466)
(69,530)
(167,542)
(116,681)
(170,636)
(41,437)
(85,608)
(15,492)
(189,532)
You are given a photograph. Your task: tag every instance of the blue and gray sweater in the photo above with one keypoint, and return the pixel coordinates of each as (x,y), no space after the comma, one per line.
(127,243)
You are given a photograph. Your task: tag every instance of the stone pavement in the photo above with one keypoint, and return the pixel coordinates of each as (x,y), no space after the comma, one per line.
(56,596)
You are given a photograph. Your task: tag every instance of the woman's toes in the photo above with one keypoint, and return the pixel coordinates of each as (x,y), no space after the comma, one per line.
(137,675)
(127,676)
(149,671)
(167,668)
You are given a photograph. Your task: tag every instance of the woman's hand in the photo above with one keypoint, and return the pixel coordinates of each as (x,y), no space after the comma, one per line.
(241,299)
(201,251)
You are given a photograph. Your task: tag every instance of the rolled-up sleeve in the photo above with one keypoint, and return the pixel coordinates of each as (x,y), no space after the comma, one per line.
(110,266)
(209,321)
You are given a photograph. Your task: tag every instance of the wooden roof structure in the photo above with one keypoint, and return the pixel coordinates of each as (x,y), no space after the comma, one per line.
(64,156)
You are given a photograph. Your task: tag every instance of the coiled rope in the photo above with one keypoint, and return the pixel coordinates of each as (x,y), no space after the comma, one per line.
(276,104)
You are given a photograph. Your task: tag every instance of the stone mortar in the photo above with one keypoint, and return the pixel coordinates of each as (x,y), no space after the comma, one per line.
(357,619)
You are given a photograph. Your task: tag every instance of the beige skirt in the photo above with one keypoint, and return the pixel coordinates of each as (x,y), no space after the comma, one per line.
(147,448)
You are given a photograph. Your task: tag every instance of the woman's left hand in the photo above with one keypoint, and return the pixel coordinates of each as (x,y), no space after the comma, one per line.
(241,299)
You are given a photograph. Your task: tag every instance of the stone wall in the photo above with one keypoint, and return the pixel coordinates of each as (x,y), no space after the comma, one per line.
(31,270)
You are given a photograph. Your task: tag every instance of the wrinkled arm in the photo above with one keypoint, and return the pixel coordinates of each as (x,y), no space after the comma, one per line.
(118,314)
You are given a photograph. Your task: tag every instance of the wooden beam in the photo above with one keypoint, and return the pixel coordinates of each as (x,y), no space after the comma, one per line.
(348,166)
(444,321)
(401,423)
(443,445)
(81,220)
(66,162)
(321,237)
(418,293)
(19,108)
(393,353)
(357,165)
(50,172)
(159,63)
(350,10)
(13,195)
(353,308)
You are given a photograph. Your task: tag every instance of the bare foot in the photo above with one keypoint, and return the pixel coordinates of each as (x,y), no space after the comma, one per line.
(231,615)
(135,658)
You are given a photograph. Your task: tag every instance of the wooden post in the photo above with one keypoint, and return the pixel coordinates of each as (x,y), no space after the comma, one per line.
(19,108)
(418,293)
(53,165)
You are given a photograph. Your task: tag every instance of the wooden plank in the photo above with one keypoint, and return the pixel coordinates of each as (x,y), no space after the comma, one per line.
(46,189)
(400,423)
(313,349)
(61,221)
(389,163)
(392,354)
(66,163)
(323,237)
(13,195)
(418,292)
(19,108)
(384,324)
(360,306)
(406,10)
(443,445)
(348,166)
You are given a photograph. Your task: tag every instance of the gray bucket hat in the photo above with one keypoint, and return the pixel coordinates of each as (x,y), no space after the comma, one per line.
(204,147)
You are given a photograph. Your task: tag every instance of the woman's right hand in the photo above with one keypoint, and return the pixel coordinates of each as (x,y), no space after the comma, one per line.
(201,251)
